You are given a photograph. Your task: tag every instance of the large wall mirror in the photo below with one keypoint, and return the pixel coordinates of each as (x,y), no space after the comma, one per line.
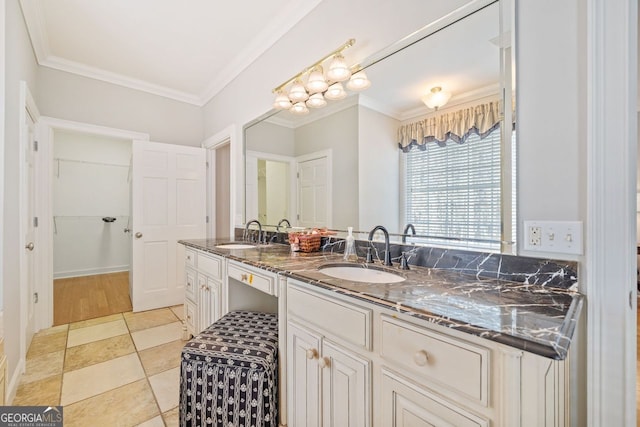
(341,166)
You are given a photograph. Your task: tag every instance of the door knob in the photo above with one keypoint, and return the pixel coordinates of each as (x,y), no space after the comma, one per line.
(138,235)
(30,246)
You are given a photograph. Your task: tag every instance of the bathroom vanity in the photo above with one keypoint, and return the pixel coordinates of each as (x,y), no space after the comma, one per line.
(437,348)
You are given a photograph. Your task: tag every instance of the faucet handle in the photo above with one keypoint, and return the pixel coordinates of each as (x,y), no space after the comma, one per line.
(369,256)
(404,264)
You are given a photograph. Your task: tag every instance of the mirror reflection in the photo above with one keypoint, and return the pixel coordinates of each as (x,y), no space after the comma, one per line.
(422,146)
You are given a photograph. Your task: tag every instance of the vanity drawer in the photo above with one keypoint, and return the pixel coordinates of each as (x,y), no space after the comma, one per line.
(210,266)
(451,363)
(190,284)
(333,316)
(190,258)
(258,279)
(190,316)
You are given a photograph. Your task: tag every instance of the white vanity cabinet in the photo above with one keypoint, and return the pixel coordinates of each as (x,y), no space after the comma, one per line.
(203,288)
(329,377)
(353,363)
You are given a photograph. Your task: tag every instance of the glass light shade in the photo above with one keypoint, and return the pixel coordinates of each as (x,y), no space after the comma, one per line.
(298,93)
(282,101)
(335,92)
(316,82)
(338,70)
(299,108)
(359,81)
(436,98)
(316,101)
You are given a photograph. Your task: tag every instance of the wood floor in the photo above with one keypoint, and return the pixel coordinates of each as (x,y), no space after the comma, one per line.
(88,297)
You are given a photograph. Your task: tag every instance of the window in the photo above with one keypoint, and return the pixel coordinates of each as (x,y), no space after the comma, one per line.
(452,192)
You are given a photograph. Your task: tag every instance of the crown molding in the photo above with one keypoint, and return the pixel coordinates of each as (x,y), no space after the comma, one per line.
(282,23)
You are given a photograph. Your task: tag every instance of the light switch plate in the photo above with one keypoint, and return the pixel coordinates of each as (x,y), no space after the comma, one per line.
(563,237)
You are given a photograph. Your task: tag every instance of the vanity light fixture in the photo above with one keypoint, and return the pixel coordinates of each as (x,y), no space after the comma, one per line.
(436,98)
(295,96)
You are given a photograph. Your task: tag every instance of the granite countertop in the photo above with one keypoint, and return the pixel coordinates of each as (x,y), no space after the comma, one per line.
(533,318)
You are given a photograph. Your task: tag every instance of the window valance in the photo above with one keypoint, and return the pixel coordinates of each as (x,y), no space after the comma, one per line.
(457,126)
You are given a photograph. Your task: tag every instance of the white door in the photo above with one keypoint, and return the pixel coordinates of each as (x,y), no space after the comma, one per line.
(28,265)
(168,204)
(313,193)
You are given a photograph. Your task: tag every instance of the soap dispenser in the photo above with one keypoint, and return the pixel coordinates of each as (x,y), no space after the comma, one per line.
(350,247)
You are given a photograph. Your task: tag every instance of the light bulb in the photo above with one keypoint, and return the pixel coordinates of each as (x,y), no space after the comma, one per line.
(338,70)
(316,101)
(299,108)
(335,92)
(282,101)
(359,81)
(298,93)
(316,82)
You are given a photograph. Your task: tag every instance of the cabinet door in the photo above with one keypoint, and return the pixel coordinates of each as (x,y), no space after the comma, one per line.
(208,301)
(405,404)
(346,388)
(303,377)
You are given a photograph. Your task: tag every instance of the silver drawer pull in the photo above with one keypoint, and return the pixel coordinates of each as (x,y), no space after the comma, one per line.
(421,358)
(312,353)
(244,277)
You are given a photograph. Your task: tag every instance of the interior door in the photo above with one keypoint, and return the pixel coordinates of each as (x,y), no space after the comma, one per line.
(168,204)
(313,193)
(28,229)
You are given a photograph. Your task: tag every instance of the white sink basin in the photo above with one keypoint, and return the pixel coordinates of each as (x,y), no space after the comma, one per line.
(360,273)
(235,246)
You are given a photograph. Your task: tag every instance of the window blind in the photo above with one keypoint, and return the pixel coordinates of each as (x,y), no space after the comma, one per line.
(453,192)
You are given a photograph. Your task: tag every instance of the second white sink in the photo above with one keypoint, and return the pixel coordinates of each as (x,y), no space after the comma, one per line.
(360,273)
(235,246)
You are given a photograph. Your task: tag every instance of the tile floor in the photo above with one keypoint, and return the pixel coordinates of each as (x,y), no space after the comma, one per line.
(118,370)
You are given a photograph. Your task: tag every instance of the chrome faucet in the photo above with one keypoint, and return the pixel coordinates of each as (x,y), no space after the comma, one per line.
(246,229)
(280,223)
(387,252)
(406,231)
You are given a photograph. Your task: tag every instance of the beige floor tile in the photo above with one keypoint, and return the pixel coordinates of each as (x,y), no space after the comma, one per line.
(178,310)
(149,319)
(99,378)
(98,351)
(41,367)
(96,333)
(172,417)
(53,330)
(153,337)
(166,387)
(42,344)
(153,422)
(128,405)
(160,358)
(45,392)
(96,321)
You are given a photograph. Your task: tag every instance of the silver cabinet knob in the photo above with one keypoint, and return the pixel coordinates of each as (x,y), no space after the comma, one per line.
(30,246)
(138,235)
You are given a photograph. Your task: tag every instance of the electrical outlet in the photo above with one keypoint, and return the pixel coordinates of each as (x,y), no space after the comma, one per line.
(535,235)
(553,236)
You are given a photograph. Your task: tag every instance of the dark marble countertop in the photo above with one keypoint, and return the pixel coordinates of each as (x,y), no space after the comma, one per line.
(529,317)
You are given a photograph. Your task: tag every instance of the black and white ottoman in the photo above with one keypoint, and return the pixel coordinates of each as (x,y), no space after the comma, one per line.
(228,373)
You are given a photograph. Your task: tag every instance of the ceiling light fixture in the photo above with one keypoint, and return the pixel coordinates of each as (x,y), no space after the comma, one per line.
(292,94)
(436,98)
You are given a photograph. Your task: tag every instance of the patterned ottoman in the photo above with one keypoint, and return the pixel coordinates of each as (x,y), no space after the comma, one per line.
(228,373)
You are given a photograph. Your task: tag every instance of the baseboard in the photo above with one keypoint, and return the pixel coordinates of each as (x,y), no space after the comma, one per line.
(90,271)
(12,388)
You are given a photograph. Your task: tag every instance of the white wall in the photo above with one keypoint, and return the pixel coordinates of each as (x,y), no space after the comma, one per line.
(91,181)
(338,132)
(378,171)
(271,138)
(20,65)
(68,96)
